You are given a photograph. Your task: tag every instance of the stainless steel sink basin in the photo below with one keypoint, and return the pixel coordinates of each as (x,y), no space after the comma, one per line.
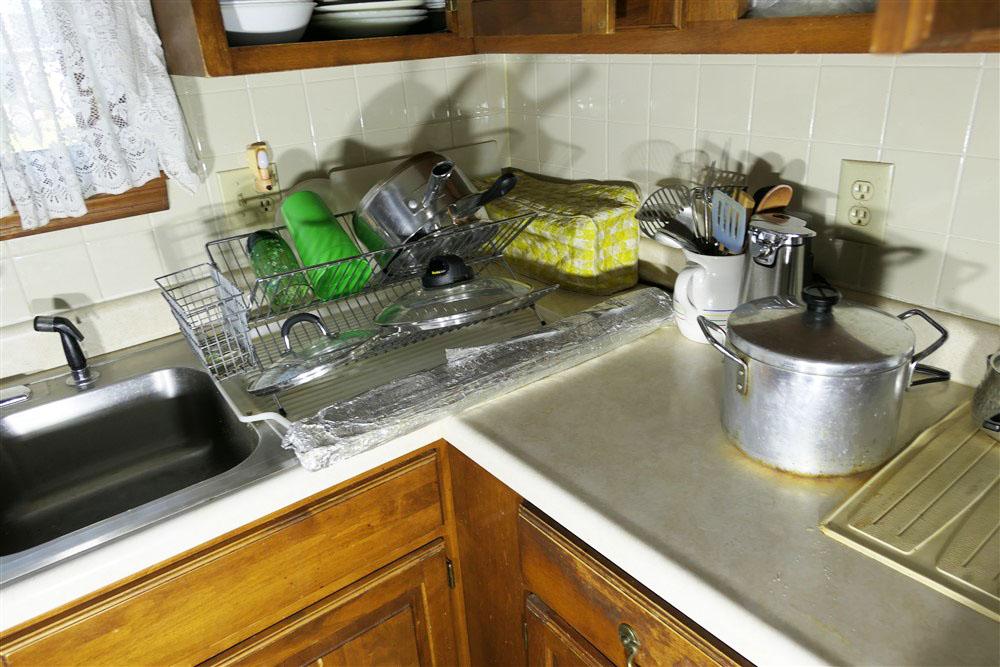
(78,468)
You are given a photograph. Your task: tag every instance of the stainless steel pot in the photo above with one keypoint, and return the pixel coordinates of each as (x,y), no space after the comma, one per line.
(816,389)
(424,195)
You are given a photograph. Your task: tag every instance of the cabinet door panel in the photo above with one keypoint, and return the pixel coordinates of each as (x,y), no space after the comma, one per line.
(400,616)
(594,599)
(215,596)
(553,643)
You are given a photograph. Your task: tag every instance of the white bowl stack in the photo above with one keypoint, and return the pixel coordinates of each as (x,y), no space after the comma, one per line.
(265,21)
(371,18)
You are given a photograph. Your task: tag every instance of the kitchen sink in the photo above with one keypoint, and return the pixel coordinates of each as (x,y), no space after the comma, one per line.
(85,467)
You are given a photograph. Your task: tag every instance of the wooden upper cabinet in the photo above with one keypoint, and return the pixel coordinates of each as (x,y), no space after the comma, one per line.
(936,25)
(195,44)
(541,17)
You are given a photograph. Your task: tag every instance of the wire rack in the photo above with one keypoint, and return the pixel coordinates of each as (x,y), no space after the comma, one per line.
(232,318)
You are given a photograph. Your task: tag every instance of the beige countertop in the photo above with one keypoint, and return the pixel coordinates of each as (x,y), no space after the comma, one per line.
(627,452)
(635,437)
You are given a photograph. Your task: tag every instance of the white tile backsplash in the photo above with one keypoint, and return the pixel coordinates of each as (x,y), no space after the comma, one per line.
(793,118)
(970,281)
(775,114)
(724,93)
(918,103)
(977,211)
(674,95)
(984,135)
(333,108)
(641,118)
(850,104)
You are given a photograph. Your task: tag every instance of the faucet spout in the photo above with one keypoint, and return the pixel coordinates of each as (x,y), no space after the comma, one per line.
(81,375)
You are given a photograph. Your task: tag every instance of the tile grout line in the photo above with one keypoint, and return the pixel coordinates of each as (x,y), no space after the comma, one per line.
(959,173)
(312,123)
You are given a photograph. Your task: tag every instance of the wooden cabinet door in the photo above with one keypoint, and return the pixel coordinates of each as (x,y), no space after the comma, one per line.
(553,643)
(597,600)
(399,616)
(936,25)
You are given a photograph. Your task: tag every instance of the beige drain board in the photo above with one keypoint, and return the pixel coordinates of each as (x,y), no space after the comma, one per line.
(933,513)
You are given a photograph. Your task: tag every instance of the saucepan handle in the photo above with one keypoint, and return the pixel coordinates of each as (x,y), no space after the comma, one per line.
(933,374)
(710,329)
(286,328)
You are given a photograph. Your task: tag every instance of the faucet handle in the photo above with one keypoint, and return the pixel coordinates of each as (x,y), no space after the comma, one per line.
(58,325)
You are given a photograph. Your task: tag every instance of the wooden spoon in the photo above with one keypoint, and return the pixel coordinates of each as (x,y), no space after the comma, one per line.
(773,198)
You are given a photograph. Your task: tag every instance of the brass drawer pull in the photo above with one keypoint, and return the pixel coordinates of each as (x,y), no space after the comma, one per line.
(630,642)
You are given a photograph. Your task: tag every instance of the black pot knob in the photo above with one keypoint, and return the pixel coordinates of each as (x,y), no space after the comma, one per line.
(820,298)
(445,270)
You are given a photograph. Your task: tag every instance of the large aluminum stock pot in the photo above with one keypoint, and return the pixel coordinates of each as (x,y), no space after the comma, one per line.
(816,389)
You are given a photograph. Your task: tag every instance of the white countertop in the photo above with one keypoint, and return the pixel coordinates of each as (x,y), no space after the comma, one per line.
(627,453)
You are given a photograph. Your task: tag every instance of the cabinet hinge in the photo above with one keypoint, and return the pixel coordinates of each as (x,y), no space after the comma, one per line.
(450,567)
(524,633)
(452,5)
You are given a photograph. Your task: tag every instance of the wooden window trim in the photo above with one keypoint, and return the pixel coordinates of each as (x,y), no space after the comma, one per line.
(146,198)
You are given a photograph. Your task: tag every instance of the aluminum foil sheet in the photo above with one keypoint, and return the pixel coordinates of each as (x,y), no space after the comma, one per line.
(473,375)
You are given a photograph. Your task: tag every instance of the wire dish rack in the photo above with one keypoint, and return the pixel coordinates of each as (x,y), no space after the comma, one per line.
(232,318)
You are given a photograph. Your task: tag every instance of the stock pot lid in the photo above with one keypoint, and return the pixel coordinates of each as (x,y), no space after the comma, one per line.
(821,334)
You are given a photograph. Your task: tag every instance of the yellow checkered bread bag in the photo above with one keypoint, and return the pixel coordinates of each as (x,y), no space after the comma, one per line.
(585,236)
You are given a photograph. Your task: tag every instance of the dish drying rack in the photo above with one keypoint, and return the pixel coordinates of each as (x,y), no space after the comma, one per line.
(232,318)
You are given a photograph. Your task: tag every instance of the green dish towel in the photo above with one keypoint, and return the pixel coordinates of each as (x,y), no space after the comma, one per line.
(319,238)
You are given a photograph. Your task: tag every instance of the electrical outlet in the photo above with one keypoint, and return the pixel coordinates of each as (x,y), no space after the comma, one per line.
(863,200)
(862,190)
(859,215)
(244,207)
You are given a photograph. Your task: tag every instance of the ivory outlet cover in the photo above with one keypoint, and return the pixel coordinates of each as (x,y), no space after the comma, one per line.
(244,207)
(863,200)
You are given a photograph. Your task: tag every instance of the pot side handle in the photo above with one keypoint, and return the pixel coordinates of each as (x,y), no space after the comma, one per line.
(934,374)
(710,328)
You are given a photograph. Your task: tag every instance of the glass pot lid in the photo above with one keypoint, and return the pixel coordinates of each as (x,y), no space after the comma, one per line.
(313,360)
(449,296)
(821,335)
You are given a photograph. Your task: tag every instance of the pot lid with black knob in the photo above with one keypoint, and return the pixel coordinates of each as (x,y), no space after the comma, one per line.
(450,295)
(822,334)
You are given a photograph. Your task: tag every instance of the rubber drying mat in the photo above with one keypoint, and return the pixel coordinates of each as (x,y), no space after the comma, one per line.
(933,513)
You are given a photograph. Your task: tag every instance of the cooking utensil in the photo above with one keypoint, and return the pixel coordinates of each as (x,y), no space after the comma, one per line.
(700,213)
(423,195)
(816,389)
(675,234)
(729,222)
(469,204)
(667,203)
(773,198)
(450,296)
(314,360)
(778,245)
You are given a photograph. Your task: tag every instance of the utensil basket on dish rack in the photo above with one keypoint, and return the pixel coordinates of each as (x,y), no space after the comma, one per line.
(232,318)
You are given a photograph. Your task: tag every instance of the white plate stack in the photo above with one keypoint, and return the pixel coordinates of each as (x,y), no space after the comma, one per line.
(372,18)
(265,21)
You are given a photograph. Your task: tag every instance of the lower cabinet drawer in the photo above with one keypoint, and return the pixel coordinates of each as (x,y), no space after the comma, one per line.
(596,601)
(208,600)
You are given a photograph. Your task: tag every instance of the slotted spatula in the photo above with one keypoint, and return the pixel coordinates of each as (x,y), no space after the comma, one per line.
(729,222)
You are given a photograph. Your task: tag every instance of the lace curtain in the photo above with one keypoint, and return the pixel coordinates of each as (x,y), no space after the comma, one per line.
(87,106)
